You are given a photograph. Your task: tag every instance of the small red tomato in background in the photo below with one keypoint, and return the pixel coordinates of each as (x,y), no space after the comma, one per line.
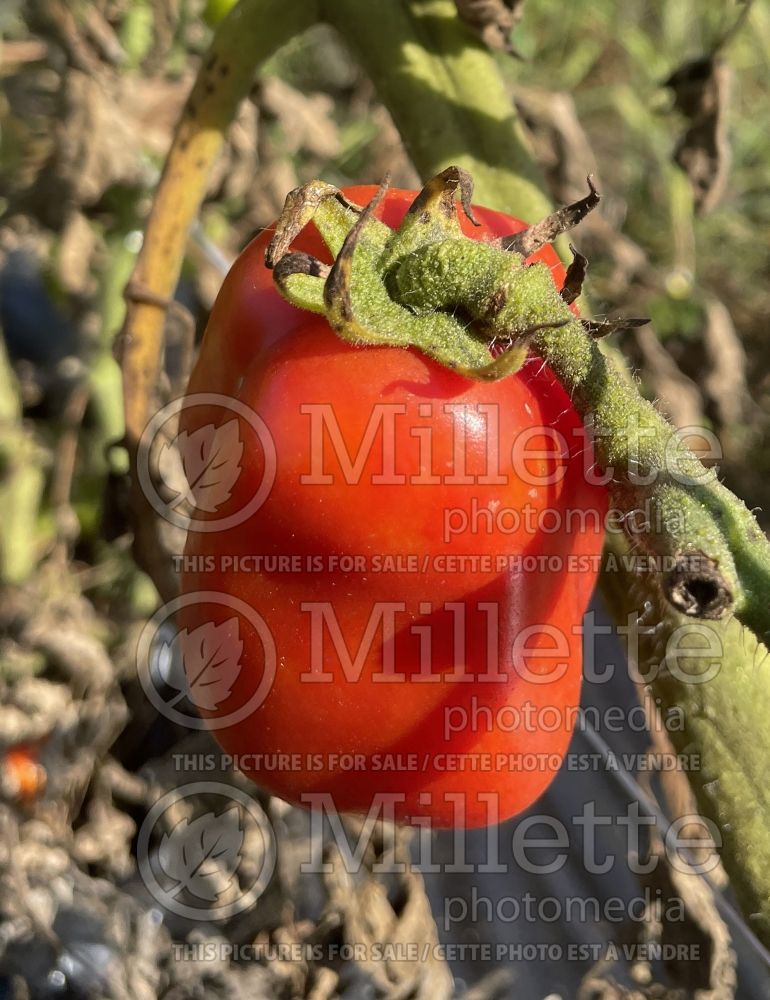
(394,574)
(22,777)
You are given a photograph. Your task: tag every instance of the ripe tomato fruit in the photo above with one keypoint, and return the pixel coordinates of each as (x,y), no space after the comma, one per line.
(398,616)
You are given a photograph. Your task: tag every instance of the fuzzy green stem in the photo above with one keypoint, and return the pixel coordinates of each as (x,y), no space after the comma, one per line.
(714,677)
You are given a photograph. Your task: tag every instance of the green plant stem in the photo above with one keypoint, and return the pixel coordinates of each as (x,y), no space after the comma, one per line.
(716,677)
(446,96)
(251,33)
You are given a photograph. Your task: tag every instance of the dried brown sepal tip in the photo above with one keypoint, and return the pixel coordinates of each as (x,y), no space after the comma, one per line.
(299,208)
(576,273)
(439,194)
(299,263)
(696,587)
(602,328)
(530,240)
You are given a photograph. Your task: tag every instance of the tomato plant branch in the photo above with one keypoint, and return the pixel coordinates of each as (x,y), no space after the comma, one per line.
(712,684)
(252,32)
(446,96)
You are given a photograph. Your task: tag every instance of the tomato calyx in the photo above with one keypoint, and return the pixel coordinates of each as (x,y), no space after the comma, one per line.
(374,292)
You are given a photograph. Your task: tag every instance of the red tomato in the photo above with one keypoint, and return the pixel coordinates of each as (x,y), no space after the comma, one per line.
(434,673)
(24,778)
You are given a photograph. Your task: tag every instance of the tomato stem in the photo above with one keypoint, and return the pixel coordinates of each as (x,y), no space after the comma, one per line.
(446,94)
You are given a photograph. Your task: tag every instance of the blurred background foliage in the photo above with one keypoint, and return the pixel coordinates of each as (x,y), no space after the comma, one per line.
(666,103)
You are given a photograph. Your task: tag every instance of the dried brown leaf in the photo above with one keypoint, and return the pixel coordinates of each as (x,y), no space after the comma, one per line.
(726,382)
(96,145)
(306,119)
(492,20)
(679,396)
(701,93)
